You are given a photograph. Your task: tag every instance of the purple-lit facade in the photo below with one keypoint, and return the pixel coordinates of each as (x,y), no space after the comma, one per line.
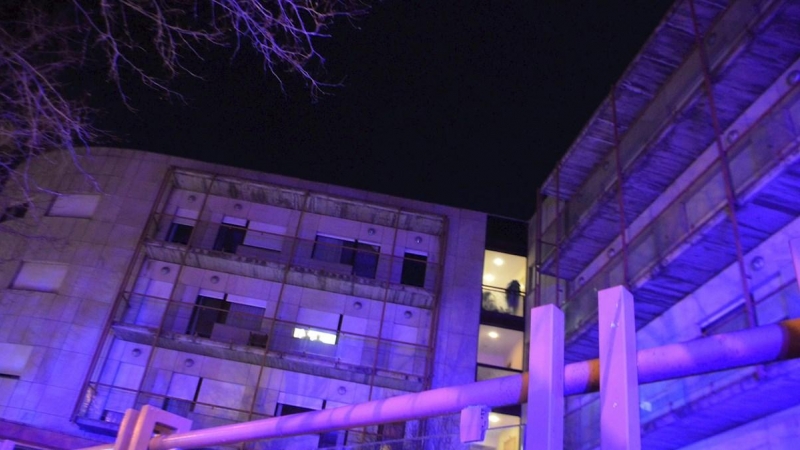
(683,186)
(226,295)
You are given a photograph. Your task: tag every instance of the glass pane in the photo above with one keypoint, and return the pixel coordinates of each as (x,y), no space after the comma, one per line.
(500,347)
(503,283)
(414,266)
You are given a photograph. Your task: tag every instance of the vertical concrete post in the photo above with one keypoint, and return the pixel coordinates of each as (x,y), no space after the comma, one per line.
(619,384)
(545,414)
(152,420)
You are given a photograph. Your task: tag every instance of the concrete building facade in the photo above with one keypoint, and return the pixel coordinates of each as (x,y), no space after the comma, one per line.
(224,295)
(683,187)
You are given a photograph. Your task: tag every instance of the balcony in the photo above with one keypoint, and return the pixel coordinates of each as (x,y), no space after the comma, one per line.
(352,268)
(243,333)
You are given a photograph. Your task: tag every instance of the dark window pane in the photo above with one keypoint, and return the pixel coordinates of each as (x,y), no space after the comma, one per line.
(245,316)
(285,409)
(365,261)
(207,312)
(229,238)
(14,212)
(333,439)
(392,432)
(258,340)
(414,270)
(327,249)
(349,250)
(179,233)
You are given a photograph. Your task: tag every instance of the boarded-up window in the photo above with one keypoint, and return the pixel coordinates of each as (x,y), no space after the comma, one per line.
(38,276)
(15,358)
(264,235)
(78,205)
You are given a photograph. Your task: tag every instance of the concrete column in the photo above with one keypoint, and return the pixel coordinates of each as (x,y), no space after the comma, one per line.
(545,418)
(619,384)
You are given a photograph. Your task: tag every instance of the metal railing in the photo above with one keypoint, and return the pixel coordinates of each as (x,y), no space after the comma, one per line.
(366,264)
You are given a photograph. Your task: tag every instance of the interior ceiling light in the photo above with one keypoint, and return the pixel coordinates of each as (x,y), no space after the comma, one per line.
(494,334)
(488,278)
(493,418)
(498,262)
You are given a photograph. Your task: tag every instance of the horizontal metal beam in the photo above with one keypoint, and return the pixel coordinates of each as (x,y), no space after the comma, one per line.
(720,352)
(493,393)
(760,345)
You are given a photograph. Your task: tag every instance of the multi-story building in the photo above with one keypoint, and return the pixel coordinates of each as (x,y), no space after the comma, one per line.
(227,295)
(683,186)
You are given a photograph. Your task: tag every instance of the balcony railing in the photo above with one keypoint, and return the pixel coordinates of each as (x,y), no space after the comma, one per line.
(363,263)
(247,326)
(503,301)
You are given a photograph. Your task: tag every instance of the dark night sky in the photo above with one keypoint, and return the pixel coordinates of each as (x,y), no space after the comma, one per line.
(466,103)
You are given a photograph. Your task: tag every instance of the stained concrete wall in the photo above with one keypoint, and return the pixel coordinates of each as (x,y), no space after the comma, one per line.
(58,332)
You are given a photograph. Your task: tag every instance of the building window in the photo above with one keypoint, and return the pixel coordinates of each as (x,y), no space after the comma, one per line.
(74,206)
(500,351)
(182,393)
(264,235)
(207,312)
(37,276)
(317,326)
(15,212)
(414,266)
(180,230)
(230,235)
(389,432)
(503,291)
(362,256)
(314,335)
(285,409)
(15,358)
(179,233)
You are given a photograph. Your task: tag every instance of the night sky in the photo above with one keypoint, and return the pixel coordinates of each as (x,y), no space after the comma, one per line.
(466,103)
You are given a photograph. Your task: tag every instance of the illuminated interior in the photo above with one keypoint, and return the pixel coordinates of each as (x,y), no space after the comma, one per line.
(503,282)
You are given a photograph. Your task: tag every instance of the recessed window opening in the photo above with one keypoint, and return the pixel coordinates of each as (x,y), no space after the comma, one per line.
(36,276)
(180,230)
(76,205)
(318,326)
(207,312)
(15,212)
(362,256)
(235,232)
(414,268)
(230,234)
(15,358)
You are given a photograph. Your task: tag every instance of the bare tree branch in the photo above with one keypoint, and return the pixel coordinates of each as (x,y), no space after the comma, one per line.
(152,41)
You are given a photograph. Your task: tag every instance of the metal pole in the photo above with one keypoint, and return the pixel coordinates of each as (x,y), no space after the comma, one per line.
(730,195)
(558,235)
(493,393)
(751,346)
(537,258)
(623,222)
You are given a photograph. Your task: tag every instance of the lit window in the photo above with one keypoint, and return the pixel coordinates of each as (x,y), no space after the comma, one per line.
(74,206)
(315,335)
